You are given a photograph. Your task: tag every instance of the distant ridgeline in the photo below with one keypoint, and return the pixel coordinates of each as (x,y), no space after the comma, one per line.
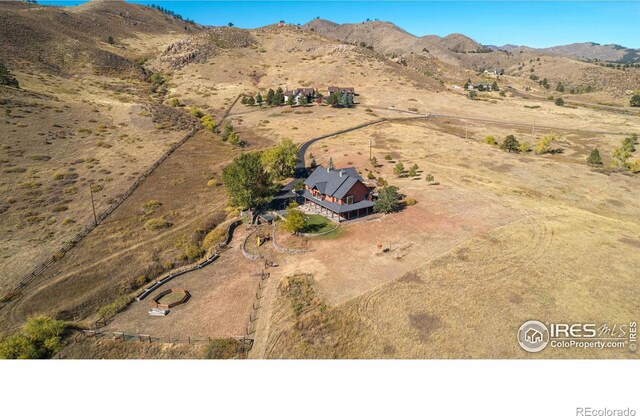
(171,13)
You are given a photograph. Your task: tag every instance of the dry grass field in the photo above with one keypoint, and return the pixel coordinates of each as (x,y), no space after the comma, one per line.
(502,238)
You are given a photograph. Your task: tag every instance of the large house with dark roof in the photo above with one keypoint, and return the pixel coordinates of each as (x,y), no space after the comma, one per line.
(296,94)
(345,90)
(339,194)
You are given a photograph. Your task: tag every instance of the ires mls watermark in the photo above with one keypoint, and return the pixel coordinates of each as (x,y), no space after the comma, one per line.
(534,336)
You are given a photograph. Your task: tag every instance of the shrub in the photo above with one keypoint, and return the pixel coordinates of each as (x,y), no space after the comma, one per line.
(41,337)
(410,201)
(523,148)
(213,182)
(213,237)
(110,310)
(174,102)
(635,100)
(629,143)
(191,251)
(635,166)
(233,138)
(208,123)
(224,349)
(157,224)
(559,102)
(388,157)
(544,144)
(70,190)
(151,205)
(370,175)
(490,140)
(196,112)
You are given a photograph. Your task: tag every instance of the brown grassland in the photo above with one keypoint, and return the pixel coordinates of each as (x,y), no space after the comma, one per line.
(501,239)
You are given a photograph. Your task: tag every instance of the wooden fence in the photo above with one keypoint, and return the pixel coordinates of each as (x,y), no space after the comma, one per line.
(245,343)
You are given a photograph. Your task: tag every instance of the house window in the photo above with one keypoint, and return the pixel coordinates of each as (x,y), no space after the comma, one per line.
(349,200)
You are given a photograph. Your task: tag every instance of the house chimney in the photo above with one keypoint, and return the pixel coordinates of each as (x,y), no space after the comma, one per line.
(341,172)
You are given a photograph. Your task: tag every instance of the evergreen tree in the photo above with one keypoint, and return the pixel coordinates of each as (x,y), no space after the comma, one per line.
(399,168)
(278,98)
(6,78)
(635,100)
(494,86)
(413,170)
(388,200)
(594,157)
(259,99)
(270,95)
(333,99)
(511,144)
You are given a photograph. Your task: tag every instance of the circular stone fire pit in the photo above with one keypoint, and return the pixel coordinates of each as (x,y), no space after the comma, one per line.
(170,298)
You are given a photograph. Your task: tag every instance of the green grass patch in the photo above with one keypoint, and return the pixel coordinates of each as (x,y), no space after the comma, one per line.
(317,224)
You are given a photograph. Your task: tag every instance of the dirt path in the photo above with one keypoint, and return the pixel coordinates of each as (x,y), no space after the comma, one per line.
(499,122)
(622,110)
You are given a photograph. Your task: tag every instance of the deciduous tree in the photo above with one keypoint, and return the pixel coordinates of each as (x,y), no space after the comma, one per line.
(247,182)
(294,219)
(281,160)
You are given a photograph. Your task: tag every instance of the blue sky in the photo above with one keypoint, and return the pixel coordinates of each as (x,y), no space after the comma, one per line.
(536,24)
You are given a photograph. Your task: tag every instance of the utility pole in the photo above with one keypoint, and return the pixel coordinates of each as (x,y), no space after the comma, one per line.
(93,206)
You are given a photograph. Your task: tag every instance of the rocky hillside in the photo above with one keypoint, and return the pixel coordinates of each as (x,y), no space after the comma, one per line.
(389,39)
(100,34)
(586,51)
(593,51)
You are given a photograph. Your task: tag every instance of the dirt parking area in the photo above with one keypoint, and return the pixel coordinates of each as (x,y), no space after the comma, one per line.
(221,298)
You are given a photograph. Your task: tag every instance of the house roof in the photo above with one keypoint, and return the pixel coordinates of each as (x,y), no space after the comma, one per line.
(305,91)
(338,208)
(298,91)
(338,89)
(331,182)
